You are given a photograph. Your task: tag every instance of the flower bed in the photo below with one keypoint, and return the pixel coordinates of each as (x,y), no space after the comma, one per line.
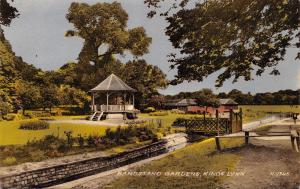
(34,125)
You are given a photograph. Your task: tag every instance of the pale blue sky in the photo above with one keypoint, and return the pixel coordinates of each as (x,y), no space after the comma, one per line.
(40,31)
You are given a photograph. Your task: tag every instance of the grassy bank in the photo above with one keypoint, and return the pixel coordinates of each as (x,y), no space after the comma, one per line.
(199,157)
(10,134)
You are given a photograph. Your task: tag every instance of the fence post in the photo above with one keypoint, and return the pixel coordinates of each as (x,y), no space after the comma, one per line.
(246,137)
(218,127)
(204,120)
(231,120)
(241,119)
(292,141)
(218,143)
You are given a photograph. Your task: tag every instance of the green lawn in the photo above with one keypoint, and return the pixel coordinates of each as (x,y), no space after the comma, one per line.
(198,157)
(255,112)
(10,134)
(167,120)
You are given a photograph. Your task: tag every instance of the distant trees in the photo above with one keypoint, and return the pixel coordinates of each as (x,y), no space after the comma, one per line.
(207,98)
(282,97)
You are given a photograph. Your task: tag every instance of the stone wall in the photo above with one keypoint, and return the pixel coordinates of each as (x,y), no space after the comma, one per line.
(71,171)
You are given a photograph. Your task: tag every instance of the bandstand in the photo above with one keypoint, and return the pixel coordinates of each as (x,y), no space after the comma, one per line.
(113,85)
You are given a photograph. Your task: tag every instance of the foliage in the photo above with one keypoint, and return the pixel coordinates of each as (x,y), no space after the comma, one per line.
(4,108)
(80,140)
(7,13)
(7,70)
(103,26)
(122,136)
(28,94)
(149,109)
(205,97)
(232,38)
(71,95)
(176,111)
(9,161)
(69,136)
(145,78)
(34,125)
(281,97)
(159,113)
(49,96)
(9,117)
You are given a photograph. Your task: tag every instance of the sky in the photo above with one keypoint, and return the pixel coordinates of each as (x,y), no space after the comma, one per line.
(38,37)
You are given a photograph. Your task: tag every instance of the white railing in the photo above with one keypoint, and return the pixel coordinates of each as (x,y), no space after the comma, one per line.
(113,108)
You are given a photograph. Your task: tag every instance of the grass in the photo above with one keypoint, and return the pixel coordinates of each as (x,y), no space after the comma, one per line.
(10,134)
(255,112)
(198,157)
(263,129)
(167,120)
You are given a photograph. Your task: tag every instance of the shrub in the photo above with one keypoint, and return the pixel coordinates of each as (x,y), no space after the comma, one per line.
(176,111)
(9,161)
(19,117)
(9,117)
(149,110)
(80,140)
(4,108)
(62,148)
(58,112)
(36,114)
(160,113)
(69,136)
(34,125)
(37,155)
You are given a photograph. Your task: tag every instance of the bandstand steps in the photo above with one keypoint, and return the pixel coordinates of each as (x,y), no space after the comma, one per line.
(96,116)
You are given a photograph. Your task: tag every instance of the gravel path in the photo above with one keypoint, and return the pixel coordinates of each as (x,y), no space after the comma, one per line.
(269,163)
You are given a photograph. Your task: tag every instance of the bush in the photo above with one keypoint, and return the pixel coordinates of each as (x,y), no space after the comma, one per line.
(149,110)
(37,155)
(160,113)
(36,114)
(34,125)
(176,111)
(9,117)
(9,161)
(58,112)
(4,108)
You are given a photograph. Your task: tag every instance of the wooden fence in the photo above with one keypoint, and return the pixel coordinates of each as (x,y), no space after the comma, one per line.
(212,126)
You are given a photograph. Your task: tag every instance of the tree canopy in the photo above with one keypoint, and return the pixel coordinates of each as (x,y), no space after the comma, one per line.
(7,13)
(103,26)
(232,38)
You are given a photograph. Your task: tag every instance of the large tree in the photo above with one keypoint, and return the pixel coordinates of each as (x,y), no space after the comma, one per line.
(28,94)
(103,27)
(234,38)
(145,78)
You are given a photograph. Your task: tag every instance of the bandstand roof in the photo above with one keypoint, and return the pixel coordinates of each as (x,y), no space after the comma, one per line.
(113,83)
